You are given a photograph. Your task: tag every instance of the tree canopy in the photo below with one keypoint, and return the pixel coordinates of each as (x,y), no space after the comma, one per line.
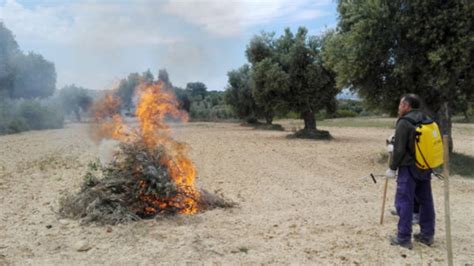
(8,51)
(287,73)
(75,99)
(385,48)
(35,77)
(127,87)
(239,94)
(23,75)
(197,90)
(269,87)
(164,78)
(312,86)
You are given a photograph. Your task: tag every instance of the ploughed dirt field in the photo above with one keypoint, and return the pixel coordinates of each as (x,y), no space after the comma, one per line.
(299,202)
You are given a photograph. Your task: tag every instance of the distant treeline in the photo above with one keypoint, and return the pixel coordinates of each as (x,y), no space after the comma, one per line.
(195,99)
(29,99)
(204,105)
(379,50)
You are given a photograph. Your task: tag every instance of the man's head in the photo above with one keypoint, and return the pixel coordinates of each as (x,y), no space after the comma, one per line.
(407,103)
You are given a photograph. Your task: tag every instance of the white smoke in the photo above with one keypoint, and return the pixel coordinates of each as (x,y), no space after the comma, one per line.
(107,149)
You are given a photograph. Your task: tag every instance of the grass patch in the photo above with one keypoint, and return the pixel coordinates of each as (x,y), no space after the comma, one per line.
(376,122)
(463,120)
(462,164)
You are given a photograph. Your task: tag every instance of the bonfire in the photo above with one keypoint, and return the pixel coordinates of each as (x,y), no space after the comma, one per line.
(147,172)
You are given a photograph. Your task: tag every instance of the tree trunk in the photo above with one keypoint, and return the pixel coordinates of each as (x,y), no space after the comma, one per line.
(269,118)
(251,120)
(443,118)
(78,115)
(309,120)
(466,116)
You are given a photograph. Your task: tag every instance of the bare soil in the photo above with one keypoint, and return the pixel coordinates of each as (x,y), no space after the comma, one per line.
(300,202)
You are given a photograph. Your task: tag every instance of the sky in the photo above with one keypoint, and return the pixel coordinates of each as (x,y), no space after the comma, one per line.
(94,44)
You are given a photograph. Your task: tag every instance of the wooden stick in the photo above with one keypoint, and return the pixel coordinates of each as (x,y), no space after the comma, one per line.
(447,216)
(385,190)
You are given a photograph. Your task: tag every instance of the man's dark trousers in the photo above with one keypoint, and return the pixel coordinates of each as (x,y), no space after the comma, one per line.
(411,185)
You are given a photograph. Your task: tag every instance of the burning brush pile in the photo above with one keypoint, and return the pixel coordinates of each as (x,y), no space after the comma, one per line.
(146,172)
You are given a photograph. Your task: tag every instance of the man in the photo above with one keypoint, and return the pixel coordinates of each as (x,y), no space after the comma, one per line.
(411,182)
(416,207)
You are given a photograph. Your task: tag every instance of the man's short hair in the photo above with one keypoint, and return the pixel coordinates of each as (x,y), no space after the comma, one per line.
(412,99)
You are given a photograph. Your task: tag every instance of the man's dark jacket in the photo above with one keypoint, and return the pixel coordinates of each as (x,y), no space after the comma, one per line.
(404,146)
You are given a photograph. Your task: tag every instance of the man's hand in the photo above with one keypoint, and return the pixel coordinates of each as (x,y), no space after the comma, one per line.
(390,140)
(390,173)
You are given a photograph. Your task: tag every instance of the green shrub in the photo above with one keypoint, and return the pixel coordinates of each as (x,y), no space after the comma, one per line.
(33,114)
(369,113)
(23,115)
(40,117)
(321,116)
(204,110)
(16,125)
(293,115)
(345,113)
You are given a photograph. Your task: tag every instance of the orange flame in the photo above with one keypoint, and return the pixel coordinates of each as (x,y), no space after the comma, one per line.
(108,121)
(154,106)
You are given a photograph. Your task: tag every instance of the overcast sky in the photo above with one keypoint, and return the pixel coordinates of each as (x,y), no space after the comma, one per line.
(95,43)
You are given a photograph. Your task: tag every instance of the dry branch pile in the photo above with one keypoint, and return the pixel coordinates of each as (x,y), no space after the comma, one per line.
(135,185)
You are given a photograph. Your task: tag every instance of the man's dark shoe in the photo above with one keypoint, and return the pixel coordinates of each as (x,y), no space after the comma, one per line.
(427,240)
(395,241)
(394,212)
